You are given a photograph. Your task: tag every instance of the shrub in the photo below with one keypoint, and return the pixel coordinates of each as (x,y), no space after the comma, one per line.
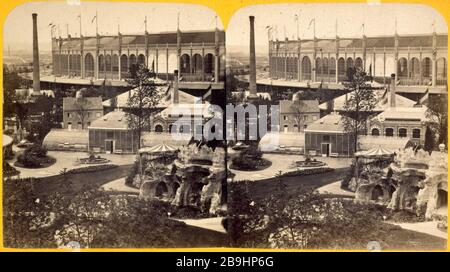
(36,150)
(29,160)
(249,159)
(93,168)
(133,172)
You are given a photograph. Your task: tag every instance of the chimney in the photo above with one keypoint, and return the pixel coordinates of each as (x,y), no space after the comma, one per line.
(36,79)
(252,87)
(175,87)
(393,90)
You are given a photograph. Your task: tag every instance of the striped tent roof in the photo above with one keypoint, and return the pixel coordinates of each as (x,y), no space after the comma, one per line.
(160,148)
(375,152)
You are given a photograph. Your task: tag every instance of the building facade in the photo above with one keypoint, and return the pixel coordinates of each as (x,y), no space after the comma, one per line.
(415,59)
(295,116)
(197,55)
(110,134)
(327,137)
(401,122)
(80,112)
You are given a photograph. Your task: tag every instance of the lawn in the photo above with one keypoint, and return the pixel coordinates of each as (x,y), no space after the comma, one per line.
(263,188)
(79,181)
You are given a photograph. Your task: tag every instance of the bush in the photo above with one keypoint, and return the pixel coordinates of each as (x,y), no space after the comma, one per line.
(249,159)
(9,171)
(29,160)
(93,168)
(133,172)
(305,172)
(36,150)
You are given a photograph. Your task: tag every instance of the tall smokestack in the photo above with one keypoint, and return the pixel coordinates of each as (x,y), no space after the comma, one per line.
(252,87)
(175,98)
(36,79)
(393,90)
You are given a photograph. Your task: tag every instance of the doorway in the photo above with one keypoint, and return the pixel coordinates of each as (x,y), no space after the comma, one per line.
(325,149)
(109,146)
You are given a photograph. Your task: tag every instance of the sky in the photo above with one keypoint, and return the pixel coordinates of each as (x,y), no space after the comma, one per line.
(378,20)
(160,17)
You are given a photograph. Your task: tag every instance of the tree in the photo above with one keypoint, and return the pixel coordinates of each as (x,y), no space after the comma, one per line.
(298,108)
(144,96)
(81,107)
(359,105)
(429,140)
(438,115)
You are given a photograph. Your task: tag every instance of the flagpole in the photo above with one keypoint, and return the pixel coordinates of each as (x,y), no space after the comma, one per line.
(314,28)
(96,23)
(336,27)
(298,19)
(145,22)
(67,29)
(81,33)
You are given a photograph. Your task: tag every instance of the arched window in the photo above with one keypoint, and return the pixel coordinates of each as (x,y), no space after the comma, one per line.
(332,65)
(101,63)
(375,132)
(141,59)
(402,67)
(89,65)
(108,63)
(197,65)
(415,68)
(426,67)
(402,132)
(441,68)
(306,68)
(389,132)
(358,63)
(115,63)
(319,67)
(416,133)
(185,62)
(159,128)
(349,63)
(325,66)
(209,63)
(132,59)
(341,66)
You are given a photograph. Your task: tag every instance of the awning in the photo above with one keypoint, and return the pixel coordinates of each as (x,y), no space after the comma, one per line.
(160,148)
(375,153)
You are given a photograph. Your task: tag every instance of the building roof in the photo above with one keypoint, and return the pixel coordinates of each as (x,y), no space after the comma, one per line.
(403,114)
(274,140)
(416,40)
(383,97)
(150,139)
(85,103)
(331,123)
(115,120)
(65,136)
(302,106)
(368,142)
(132,40)
(121,100)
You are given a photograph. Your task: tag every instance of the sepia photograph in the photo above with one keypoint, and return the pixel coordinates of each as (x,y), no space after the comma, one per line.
(133,125)
(356,155)
(92,99)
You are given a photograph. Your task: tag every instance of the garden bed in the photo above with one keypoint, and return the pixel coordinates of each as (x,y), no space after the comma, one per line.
(307,164)
(305,172)
(93,168)
(44,162)
(260,165)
